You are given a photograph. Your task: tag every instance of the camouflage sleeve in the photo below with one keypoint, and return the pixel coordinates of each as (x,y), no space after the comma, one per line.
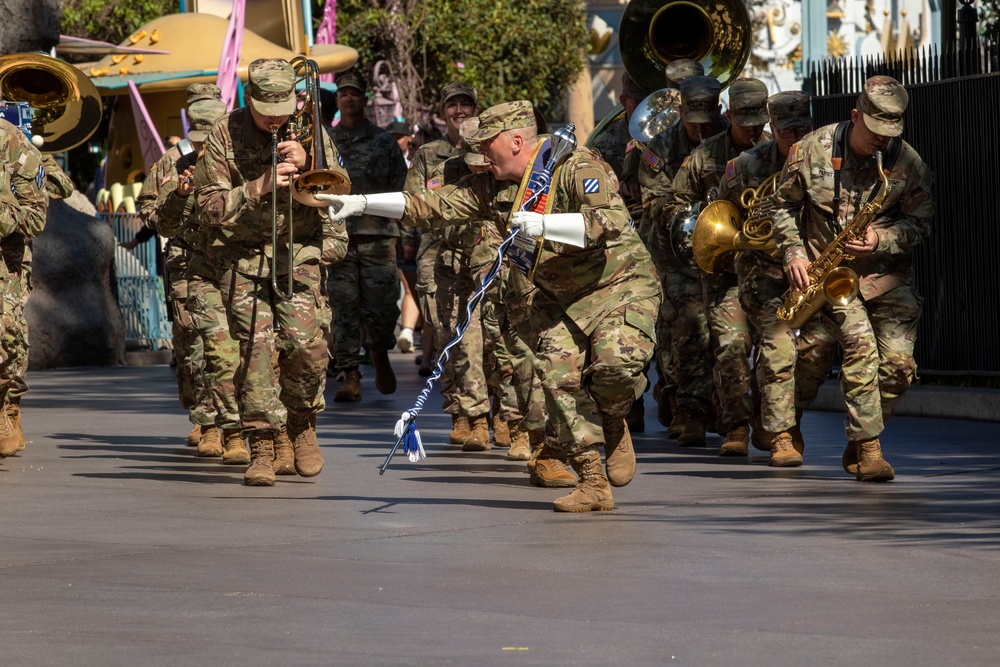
(655,182)
(789,201)
(733,183)
(22,199)
(220,200)
(416,177)
(159,175)
(453,204)
(335,239)
(57,182)
(912,223)
(687,186)
(591,188)
(173,211)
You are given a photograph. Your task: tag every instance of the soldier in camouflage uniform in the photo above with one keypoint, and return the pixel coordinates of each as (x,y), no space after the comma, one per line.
(698,180)
(762,282)
(194,391)
(877,330)
(233,189)
(364,288)
(689,360)
(595,306)
(23,205)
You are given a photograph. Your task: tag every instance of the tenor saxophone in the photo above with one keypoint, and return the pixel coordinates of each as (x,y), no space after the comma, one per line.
(828,281)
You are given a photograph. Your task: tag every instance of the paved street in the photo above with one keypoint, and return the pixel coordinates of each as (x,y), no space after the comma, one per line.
(119,547)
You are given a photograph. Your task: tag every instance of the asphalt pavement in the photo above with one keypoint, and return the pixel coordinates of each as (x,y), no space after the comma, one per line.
(119,547)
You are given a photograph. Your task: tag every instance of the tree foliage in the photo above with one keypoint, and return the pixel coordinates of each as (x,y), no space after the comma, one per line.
(111,20)
(531,49)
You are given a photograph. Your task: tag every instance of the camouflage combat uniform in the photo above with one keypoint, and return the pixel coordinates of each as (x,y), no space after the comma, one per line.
(266,325)
(364,288)
(876,331)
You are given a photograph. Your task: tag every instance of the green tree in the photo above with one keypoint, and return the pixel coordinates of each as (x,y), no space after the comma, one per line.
(530,49)
(112,20)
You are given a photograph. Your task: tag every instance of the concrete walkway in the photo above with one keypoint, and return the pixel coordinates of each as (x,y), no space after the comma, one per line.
(118,547)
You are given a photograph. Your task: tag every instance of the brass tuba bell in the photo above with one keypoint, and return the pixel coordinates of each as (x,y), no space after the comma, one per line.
(66,108)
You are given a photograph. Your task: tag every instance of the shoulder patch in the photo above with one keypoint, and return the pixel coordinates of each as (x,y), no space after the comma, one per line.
(652,159)
(40,176)
(434,184)
(686,160)
(592,184)
(166,179)
(794,158)
(731,170)
(630,146)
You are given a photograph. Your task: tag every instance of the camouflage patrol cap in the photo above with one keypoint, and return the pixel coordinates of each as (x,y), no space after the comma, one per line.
(503,117)
(351,79)
(202,115)
(456,88)
(681,69)
(789,108)
(473,157)
(700,98)
(748,102)
(882,103)
(203,91)
(271,87)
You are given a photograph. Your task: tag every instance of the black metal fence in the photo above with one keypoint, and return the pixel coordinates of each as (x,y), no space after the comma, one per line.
(953,123)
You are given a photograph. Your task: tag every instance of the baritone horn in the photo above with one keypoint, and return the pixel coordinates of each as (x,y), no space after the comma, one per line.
(65,106)
(721,231)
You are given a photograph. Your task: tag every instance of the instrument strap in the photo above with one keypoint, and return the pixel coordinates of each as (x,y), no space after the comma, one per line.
(889,158)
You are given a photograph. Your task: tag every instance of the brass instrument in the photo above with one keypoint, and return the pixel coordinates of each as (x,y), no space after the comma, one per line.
(682,226)
(827,279)
(718,234)
(655,114)
(65,106)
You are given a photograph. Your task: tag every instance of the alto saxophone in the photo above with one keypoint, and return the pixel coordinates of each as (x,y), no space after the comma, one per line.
(827,282)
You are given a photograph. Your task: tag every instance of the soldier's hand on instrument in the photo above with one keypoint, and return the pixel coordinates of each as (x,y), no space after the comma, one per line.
(293,153)
(185,184)
(344,206)
(864,247)
(798,273)
(283,173)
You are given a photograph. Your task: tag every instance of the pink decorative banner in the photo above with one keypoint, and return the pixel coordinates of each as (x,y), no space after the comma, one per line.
(327,32)
(229,62)
(149,138)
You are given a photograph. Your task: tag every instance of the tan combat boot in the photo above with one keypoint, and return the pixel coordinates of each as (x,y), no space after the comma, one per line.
(548,471)
(234,450)
(284,454)
(260,472)
(385,379)
(350,390)
(302,433)
(618,452)
(536,440)
(783,454)
(211,441)
(737,441)
(14,412)
(194,436)
(693,432)
(9,441)
(760,438)
(871,466)
(850,458)
(501,432)
(797,441)
(593,492)
(479,435)
(520,445)
(459,429)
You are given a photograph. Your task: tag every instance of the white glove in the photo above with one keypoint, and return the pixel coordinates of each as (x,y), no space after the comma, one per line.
(344,206)
(568,228)
(386,204)
(531,224)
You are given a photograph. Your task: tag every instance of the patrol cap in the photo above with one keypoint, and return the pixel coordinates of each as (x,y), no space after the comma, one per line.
(468,129)
(456,88)
(748,102)
(502,117)
(882,103)
(789,108)
(700,98)
(399,129)
(271,87)
(351,79)
(631,89)
(203,91)
(678,70)
(202,115)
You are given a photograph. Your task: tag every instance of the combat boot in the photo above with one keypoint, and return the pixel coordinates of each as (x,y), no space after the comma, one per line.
(693,432)
(302,433)
(536,440)
(8,438)
(664,404)
(234,450)
(737,441)
(501,432)
(14,412)
(850,458)
(783,454)
(284,454)
(618,452)
(760,438)
(260,472)
(548,471)
(797,441)
(636,418)
(479,435)
(350,390)
(520,445)
(593,491)
(194,435)
(211,441)
(871,466)
(385,379)
(459,429)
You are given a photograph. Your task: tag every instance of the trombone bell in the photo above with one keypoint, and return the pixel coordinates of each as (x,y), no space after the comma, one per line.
(319,182)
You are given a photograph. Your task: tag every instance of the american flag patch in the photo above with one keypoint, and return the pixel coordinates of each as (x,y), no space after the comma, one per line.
(434,184)
(630,146)
(651,158)
(166,179)
(731,170)
(591,186)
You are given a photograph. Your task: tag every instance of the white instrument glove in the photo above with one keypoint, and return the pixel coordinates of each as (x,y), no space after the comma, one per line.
(344,206)
(568,228)
(386,204)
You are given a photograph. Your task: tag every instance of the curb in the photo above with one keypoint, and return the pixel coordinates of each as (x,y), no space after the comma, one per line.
(975,403)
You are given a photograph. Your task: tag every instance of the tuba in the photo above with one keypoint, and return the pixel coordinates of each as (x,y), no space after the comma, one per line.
(65,106)
(719,233)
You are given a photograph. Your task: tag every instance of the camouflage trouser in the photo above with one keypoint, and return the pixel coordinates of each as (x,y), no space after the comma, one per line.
(519,335)
(426,294)
(207,309)
(463,383)
(690,355)
(290,331)
(587,377)
(15,333)
(732,343)
(363,289)
(193,389)
(817,352)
